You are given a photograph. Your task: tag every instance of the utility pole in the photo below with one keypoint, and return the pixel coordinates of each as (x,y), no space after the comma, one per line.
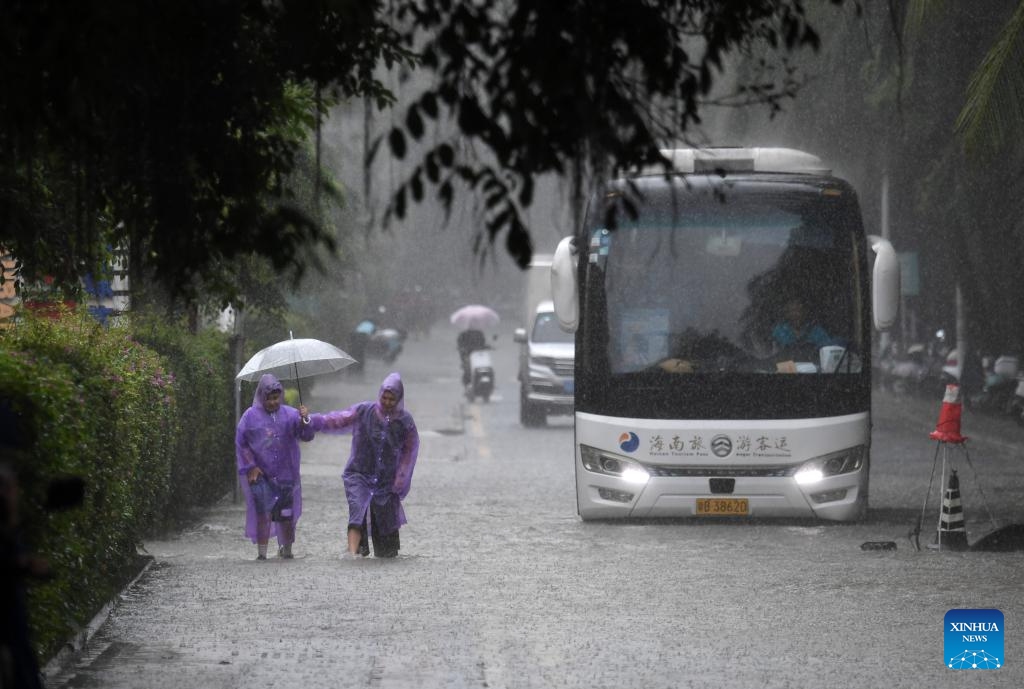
(884,337)
(962,341)
(238,344)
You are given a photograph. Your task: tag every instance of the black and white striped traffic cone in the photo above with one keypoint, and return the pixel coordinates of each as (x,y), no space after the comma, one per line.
(952,531)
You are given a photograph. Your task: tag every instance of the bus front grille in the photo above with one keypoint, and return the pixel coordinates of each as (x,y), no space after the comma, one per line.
(777,471)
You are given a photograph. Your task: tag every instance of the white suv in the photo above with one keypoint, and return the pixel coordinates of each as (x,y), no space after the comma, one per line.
(546,370)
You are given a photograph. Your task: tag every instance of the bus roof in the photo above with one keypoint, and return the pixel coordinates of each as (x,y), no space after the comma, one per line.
(725,160)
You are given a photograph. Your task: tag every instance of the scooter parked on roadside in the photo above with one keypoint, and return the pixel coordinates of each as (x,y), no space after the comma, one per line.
(386,344)
(906,373)
(1017,405)
(370,341)
(1001,385)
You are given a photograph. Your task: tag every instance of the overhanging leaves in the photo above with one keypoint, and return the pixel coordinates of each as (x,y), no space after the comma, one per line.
(534,85)
(178,127)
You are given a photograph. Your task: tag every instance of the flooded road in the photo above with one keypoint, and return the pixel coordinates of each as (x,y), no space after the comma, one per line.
(499,584)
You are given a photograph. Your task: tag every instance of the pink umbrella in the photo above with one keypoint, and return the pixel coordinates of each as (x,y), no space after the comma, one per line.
(476,317)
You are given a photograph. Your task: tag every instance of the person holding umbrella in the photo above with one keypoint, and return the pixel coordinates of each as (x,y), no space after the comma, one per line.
(267,456)
(473,319)
(378,474)
(467,342)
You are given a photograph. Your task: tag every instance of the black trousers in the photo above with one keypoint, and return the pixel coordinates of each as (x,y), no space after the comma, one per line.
(384,545)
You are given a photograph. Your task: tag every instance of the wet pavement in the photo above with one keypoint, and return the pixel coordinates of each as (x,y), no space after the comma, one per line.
(211,615)
(499,584)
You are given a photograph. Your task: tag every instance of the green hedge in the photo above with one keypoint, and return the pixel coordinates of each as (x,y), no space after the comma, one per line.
(144,414)
(203,465)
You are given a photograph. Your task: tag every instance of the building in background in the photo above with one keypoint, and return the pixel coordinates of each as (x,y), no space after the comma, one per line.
(105,298)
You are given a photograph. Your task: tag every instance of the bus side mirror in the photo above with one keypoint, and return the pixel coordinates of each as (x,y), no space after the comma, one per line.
(885,283)
(564,291)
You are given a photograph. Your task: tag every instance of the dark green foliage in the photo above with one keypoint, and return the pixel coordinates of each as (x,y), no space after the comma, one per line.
(175,128)
(537,87)
(172,125)
(150,433)
(202,375)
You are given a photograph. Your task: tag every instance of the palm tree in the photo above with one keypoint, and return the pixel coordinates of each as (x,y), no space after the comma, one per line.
(993,111)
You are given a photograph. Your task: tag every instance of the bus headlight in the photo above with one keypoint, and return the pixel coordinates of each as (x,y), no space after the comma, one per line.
(601,462)
(842,462)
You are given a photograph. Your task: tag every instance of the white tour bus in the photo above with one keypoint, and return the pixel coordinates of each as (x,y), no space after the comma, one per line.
(698,390)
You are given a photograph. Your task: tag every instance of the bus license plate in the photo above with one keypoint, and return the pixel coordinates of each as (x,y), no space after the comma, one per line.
(723,507)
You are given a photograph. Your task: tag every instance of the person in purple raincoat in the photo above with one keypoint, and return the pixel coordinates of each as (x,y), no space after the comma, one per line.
(267,455)
(378,474)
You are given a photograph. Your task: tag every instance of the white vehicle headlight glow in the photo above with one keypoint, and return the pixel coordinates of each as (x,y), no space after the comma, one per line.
(808,475)
(635,475)
(819,468)
(601,462)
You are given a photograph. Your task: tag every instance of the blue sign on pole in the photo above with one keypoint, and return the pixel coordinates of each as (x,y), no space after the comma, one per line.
(910,276)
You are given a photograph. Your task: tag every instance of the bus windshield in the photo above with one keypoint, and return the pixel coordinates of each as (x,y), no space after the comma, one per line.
(714,280)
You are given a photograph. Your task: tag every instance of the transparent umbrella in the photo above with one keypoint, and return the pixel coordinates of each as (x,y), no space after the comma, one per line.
(293,359)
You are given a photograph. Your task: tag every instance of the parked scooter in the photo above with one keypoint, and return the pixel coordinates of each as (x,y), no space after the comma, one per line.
(904,373)
(1001,384)
(1017,404)
(922,370)
(369,341)
(481,375)
(966,371)
(908,373)
(385,344)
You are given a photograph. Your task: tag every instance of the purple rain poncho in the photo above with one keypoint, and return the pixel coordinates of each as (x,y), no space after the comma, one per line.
(384,450)
(271,442)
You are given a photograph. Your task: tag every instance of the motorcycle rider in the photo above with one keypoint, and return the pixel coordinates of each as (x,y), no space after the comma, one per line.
(358,344)
(469,341)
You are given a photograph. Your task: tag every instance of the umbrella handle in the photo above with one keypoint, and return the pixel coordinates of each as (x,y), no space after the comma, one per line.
(295,365)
